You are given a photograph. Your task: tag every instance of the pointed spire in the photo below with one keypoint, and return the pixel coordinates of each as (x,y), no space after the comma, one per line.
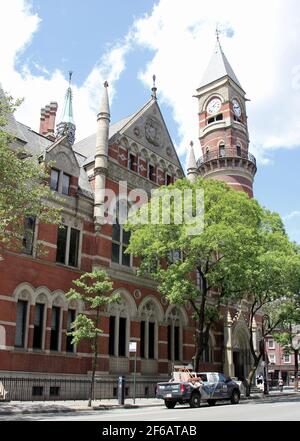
(154,88)
(218,66)
(66,125)
(191,164)
(104,105)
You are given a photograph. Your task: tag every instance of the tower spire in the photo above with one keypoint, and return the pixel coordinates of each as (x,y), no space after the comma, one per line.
(66,126)
(191,164)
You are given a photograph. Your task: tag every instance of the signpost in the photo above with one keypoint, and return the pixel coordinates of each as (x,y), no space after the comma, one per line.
(133,348)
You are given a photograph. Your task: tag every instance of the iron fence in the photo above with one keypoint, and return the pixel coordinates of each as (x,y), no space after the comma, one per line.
(54,389)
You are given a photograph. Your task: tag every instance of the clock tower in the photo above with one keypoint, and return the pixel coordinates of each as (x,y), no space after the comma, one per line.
(223,130)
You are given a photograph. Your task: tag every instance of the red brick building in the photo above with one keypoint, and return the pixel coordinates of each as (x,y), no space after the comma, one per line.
(35,315)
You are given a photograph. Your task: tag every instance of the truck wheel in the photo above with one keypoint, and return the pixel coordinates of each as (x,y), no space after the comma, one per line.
(235,397)
(170,404)
(195,400)
(211,402)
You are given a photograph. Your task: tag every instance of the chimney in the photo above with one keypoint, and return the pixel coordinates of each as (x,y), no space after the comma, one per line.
(47,121)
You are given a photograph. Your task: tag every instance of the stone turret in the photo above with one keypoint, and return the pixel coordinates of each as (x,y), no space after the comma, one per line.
(100,171)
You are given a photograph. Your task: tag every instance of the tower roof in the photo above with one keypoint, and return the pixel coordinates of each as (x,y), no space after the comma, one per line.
(218,68)
(191,160)
(67,115)
(104,105)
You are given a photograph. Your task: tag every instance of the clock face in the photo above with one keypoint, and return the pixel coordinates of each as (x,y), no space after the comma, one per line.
(236,108)
(214,106)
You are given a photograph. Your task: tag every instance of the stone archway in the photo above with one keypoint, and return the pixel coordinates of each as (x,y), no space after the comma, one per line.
(241,351)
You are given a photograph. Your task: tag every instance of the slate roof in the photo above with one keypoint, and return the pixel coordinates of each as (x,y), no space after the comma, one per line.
(218,68)
(87,146)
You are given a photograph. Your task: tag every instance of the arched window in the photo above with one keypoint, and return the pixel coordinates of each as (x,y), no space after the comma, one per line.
(119,329)
(174,335)
(39,324)
(207,354)
(238,150)
(120,237)
(148,331)
(222,149)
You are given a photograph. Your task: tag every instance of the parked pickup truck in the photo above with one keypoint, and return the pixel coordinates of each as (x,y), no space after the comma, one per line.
(191,388)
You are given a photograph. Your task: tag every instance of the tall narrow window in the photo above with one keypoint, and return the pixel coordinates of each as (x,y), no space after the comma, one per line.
(66,184)
(21,323)
(169,342)
(238,150)
(61,244)
(151,173)
(168,179)
(151,340)
(120,241)
(70,320)
(38,326)
(74,247)
(29,227)
(222,150)
(122,337)
(111,343)
(142,343)
(54,336)
(54,179)
(132,162)
(176,343)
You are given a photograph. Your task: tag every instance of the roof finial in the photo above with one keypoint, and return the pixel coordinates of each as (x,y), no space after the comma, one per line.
(105,84)
(154,88)
(218,32)
(70,77)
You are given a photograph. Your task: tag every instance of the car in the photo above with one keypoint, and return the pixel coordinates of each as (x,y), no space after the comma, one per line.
(187,387)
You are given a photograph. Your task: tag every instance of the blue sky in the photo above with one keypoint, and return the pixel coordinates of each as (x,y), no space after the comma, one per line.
(126,41)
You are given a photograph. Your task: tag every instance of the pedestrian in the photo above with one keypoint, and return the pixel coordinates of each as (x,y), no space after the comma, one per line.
(280,384)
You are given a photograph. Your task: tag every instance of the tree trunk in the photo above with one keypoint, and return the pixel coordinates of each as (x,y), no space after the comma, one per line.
(94,365)
(296,354)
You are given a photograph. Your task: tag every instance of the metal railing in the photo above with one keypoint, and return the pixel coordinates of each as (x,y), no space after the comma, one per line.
(55,389)
(226,153)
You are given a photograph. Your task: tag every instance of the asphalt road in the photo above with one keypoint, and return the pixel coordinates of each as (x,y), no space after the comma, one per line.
(271,409)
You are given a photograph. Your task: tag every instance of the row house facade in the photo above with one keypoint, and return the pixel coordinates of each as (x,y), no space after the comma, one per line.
(134,153)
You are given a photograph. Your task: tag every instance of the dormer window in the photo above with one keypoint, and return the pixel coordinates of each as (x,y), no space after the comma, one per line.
(60,181)
(54,179)
(66,184)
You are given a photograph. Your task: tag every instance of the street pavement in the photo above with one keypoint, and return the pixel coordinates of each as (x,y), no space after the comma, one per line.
(15,408)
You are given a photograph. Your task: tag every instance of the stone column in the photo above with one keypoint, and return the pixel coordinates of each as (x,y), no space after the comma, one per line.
(228,364)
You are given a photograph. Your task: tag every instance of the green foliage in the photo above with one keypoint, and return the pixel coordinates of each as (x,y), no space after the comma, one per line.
(242,253)
(23,184)
(93,289)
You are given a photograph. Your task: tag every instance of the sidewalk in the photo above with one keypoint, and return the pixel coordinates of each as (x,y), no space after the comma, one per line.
(31,407)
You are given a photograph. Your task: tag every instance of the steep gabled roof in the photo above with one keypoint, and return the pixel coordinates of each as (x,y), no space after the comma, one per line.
(218,67)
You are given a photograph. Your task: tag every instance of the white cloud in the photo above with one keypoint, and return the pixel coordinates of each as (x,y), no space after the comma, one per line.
(263,52)
(39,90)
(292,216)
(260,40)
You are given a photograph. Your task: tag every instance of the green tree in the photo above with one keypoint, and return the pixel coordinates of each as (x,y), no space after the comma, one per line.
(267,279)
(93,289)
(218,254)
(288,334)
(24,189)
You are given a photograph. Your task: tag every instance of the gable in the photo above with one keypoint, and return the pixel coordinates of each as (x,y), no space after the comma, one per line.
(63,158)
(148,128)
